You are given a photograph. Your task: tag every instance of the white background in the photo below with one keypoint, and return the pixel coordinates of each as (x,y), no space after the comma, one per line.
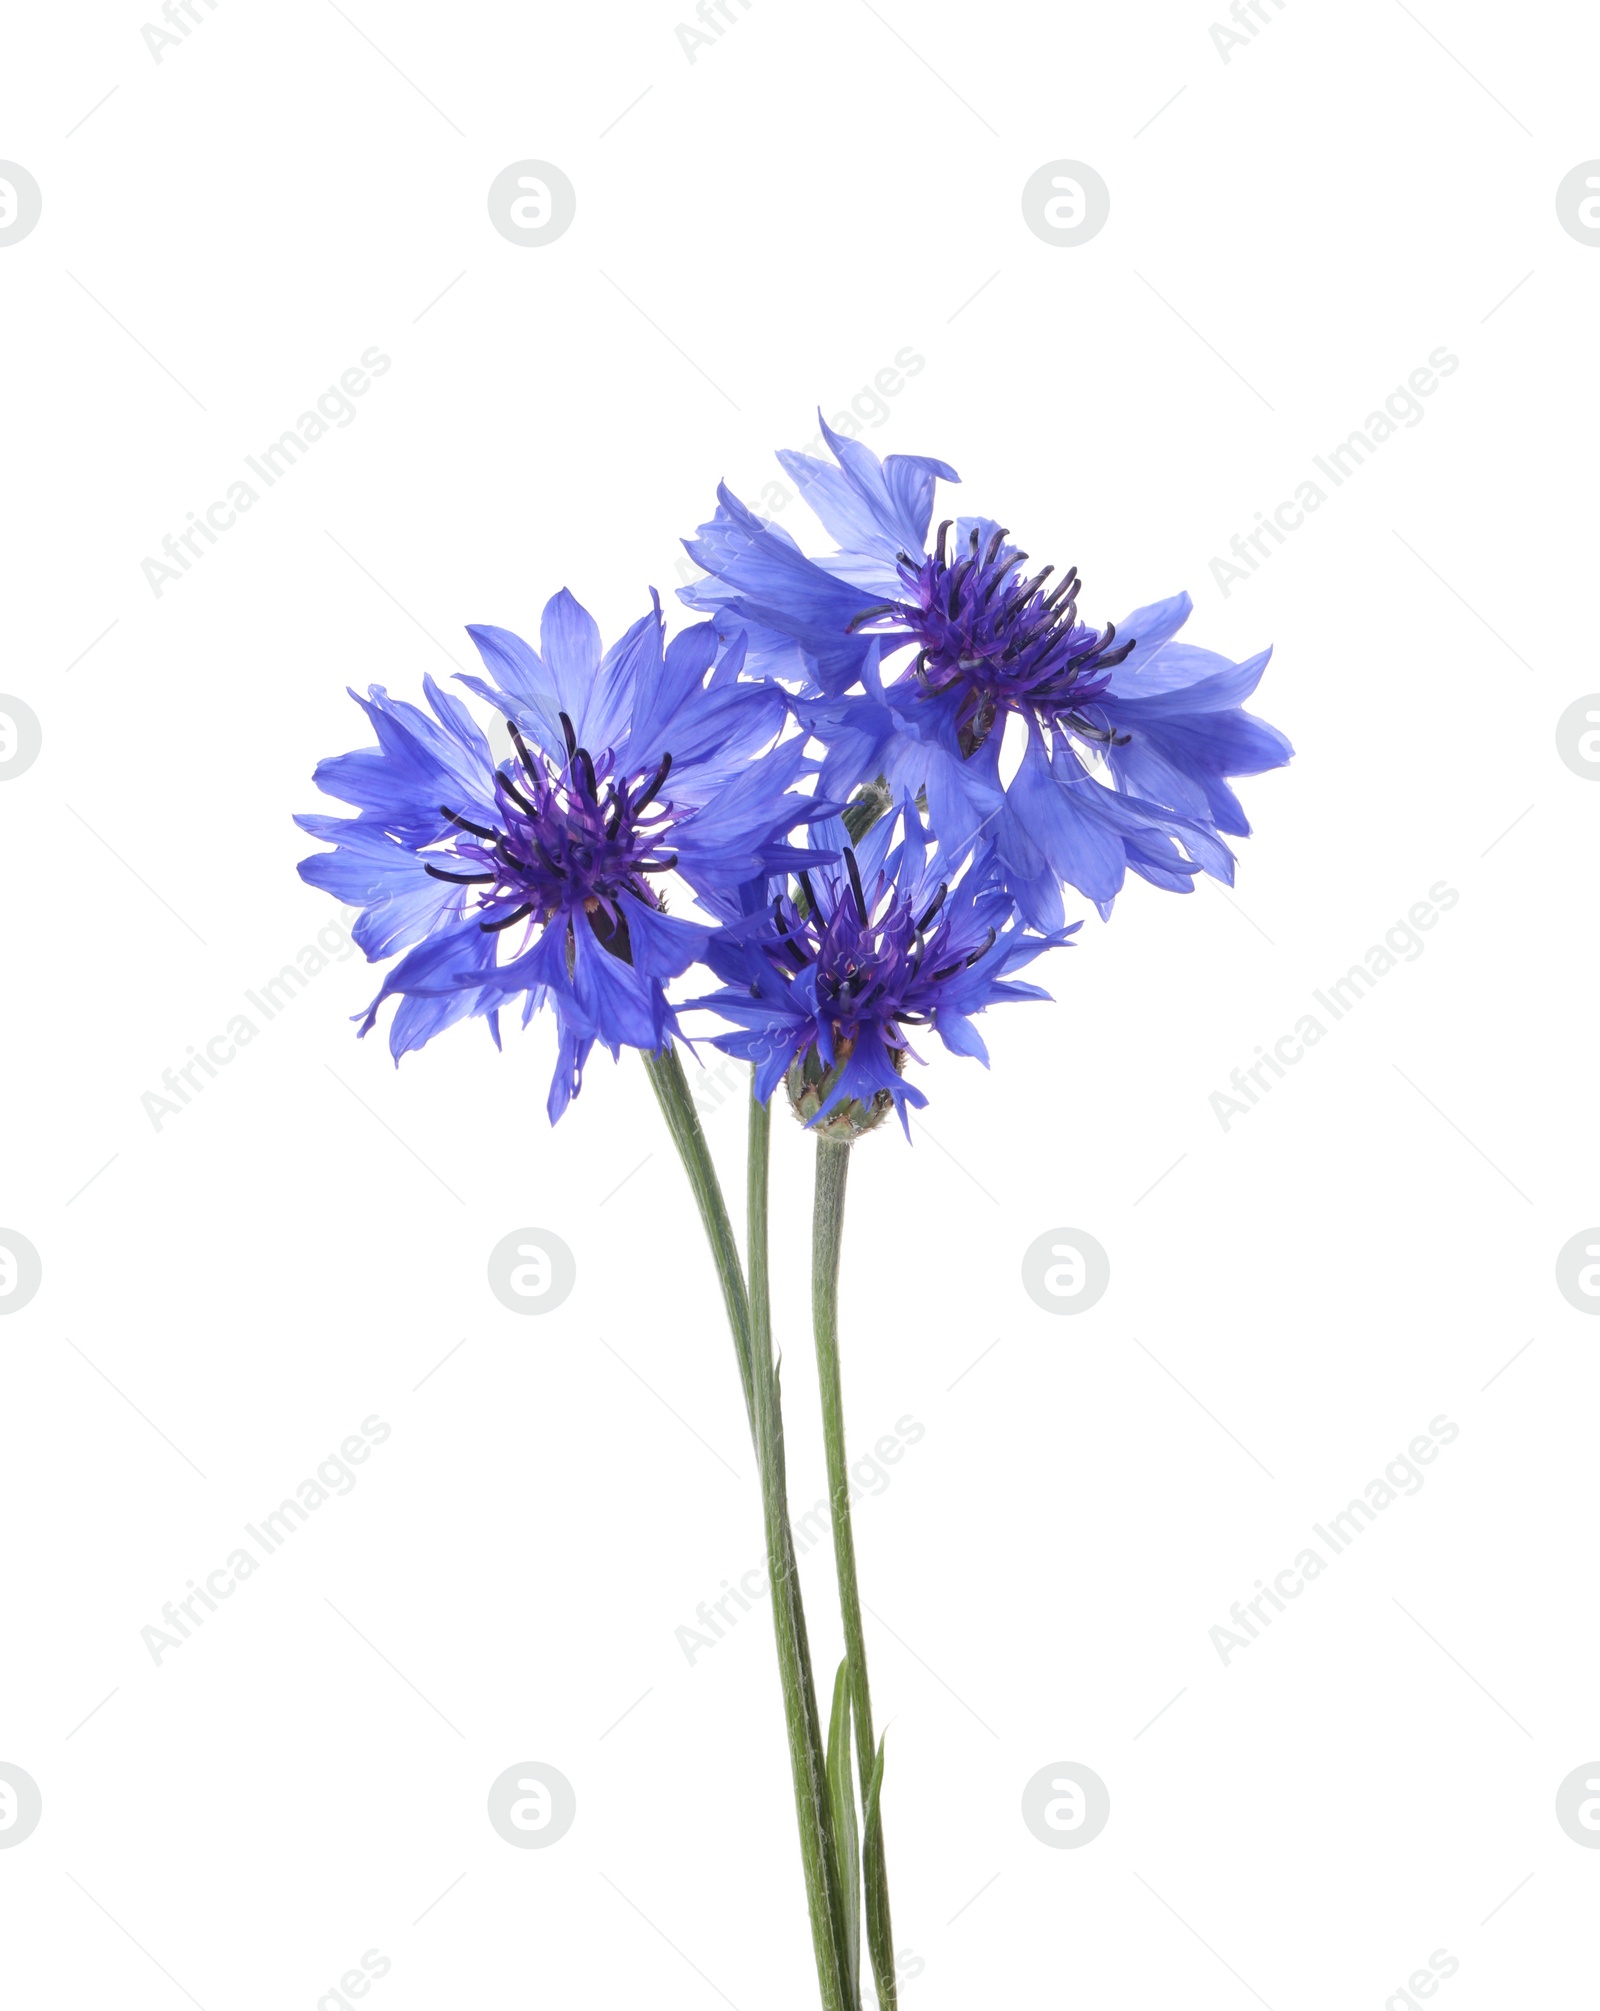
(758,231)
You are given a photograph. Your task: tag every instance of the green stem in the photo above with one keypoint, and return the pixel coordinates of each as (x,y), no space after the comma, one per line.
(667,1079)
(827,1235)
(807,1756)
(758,1377)
(757,1172)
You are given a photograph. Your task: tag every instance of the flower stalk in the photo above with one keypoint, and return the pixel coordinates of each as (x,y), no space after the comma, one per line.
(833,1171)
(749,1317)
(665,1070)
(808,1760)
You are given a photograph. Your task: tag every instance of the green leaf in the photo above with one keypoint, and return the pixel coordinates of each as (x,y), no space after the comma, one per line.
(842,1794)
(880,1934)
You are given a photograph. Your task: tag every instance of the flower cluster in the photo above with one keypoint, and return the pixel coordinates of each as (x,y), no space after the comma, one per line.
(886,675)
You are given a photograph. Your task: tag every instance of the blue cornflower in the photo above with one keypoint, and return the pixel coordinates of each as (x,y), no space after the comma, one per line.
(1161,720)
(625,768)
(823,976)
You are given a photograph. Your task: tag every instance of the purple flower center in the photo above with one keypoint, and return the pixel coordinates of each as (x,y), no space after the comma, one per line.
(866,967)
(1000,640)
(572,837)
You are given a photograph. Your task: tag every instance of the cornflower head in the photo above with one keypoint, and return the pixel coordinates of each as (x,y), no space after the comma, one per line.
(1122,738)
(538,878)
(828,972)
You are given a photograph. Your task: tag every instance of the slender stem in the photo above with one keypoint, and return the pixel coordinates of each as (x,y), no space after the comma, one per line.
(806,1751)
(758,1377)
(827,1231)
(758,1163)
(827,1235)
(665,1071)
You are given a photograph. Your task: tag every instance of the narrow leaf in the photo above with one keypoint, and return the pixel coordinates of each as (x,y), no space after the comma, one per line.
(880,1934)
(842,1793)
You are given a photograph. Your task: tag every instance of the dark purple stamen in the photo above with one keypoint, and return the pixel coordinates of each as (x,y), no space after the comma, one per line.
(855,883)
(783,931)
(993,638)
(966,962)
(506,921)
(871,614)
(866,972)
(650,790)
(515,793)
(461,879)
(477,830)
(574,840)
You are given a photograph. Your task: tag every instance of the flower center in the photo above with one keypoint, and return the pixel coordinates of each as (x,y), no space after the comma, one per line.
(999,640)
(571,836)
(867,966)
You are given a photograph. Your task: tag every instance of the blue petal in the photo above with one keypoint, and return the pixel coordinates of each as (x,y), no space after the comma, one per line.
(662,946)
(613,1002)
(400,900)
(569,641)
(1065,823)
(525,687)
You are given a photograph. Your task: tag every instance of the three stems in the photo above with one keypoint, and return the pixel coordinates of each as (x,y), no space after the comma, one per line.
(830,1883)
(749,1317)
(824,1804)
